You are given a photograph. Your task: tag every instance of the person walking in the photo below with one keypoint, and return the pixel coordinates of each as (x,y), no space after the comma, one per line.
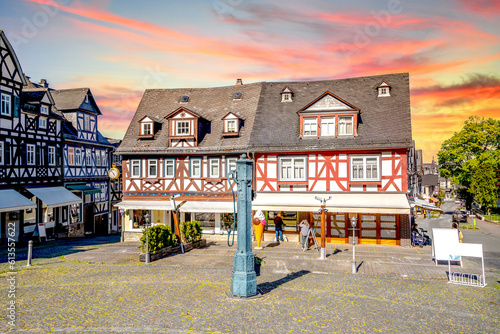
(304,230)
(278,225)
(460,235)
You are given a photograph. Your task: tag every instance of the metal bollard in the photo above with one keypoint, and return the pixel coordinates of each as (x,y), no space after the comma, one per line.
(30,250)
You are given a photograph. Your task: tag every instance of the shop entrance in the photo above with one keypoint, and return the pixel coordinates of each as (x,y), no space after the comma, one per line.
(378,229)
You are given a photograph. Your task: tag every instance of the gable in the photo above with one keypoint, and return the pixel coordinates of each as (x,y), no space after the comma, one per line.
(384,84)
(9,64)
(230,116)
(329,102)
(146,119)
(89,105)
(182,113)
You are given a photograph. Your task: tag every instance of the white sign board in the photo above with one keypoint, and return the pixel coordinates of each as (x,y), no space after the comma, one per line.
(445,243)
(41,230)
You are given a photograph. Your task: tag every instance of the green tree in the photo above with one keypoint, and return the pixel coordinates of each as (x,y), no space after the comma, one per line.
(468,153)
(484,184)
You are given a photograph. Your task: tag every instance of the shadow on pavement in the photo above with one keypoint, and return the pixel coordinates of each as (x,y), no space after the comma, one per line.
(61,247)
(269,286)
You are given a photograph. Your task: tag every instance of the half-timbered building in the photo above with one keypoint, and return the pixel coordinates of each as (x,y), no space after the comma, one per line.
(30,154)
(345,139)
(85,160)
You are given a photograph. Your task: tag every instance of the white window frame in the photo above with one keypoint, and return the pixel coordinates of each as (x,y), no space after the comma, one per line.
(214,163)
(1,152)
(103,192)
(30,154)
(228,126)
(86,125)
(384,91)
(104,159)
(42,122)
(88,157)
(169,163)
(78,156)
(178,128)
(364,167)
(152,163)
(343,126)
(327,121)
(52,155)
(146,126)
(286,97)
(192,163)
(71,156)
(293,167)
(6,105)
(310,125)
(135,163)
(41,156)
(44,110)
(230,165)
(97,158)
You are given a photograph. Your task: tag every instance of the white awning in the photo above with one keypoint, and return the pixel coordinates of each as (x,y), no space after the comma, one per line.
(55,196)
(355,202)
(207,206)
(11,200)
(425,205)
(189,206)
(144,205)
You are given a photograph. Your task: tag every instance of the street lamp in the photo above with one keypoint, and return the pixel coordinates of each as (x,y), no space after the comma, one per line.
(323,211)
(353,220)
(146,220)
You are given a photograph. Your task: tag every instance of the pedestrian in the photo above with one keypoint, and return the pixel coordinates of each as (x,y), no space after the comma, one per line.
(278,225)
(460,235)
(304,231)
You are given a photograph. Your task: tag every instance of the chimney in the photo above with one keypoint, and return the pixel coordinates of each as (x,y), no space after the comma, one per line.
(239,82)
(44,83)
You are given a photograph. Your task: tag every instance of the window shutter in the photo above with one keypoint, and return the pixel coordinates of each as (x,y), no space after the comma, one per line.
(6,154)
(17,106)
(38,150)
(58,155)
(46,156)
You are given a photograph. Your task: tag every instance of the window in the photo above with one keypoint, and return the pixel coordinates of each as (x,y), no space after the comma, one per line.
(103,192)
(152,168)
(147,129)
(52,156)
(41,156)
(97,196)
(1,153)
(169,168)
(75,212)
(196,167)
(345,125)
(365,168)
(292,168)
(185,98)
(5,107)
(327,126)
(214,168)
(71,156)
(237,96)
(286,97)
(78,156)
(86,126)
(44,110)
(183,128)
(231,165)
(42,123)
(135,168)
(88,156)
(310,126)
(30,154)
(231,125)
(104,159)
(383,91)
(139,218)
(97,158)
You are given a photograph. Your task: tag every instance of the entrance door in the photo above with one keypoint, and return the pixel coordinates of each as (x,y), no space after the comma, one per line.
(88,216)
(378,229)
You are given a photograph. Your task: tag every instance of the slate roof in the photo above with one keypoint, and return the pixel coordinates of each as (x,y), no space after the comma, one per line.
(72,99)
(272,125)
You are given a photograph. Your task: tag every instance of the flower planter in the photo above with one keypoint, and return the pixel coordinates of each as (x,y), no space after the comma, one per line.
(169,250)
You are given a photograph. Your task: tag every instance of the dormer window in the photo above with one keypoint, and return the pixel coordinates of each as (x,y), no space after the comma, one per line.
(147,128)
(231,125)
(44,110)
(184,127)
(384,89)
(286,95)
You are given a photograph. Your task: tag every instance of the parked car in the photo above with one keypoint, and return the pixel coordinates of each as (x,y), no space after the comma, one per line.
(459,216)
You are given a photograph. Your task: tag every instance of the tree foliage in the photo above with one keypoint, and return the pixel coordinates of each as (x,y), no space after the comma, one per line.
(471,158)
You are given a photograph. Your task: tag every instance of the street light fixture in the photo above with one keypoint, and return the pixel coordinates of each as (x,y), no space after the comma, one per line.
(146,220)
(323,211)
(353,220)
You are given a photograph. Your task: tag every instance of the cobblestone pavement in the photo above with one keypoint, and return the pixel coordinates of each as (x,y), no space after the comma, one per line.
(92,288)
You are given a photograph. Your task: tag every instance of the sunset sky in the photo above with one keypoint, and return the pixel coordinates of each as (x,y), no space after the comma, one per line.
(120,48)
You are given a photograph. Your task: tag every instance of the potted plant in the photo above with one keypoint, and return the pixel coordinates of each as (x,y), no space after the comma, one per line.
(258,261)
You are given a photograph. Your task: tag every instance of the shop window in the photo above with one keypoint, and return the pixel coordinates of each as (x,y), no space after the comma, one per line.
(206,219)
(388,226)
(75,213)
(337,226)
(369,226)
(139,218)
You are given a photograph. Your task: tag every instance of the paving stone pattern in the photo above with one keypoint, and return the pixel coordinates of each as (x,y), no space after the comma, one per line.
(86,287)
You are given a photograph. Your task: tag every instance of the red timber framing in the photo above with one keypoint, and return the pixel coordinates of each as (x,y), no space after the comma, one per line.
(176,140)
(161,187)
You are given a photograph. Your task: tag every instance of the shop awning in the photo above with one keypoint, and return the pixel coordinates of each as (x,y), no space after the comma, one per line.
(83,187)
(144,205)
(55,196)
(355,202)
(424,205)
(207,206)
(11,200)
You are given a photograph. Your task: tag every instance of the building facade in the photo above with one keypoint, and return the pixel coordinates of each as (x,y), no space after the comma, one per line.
(345,139)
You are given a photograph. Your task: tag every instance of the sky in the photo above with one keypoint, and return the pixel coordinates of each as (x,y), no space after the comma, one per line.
(119,48)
